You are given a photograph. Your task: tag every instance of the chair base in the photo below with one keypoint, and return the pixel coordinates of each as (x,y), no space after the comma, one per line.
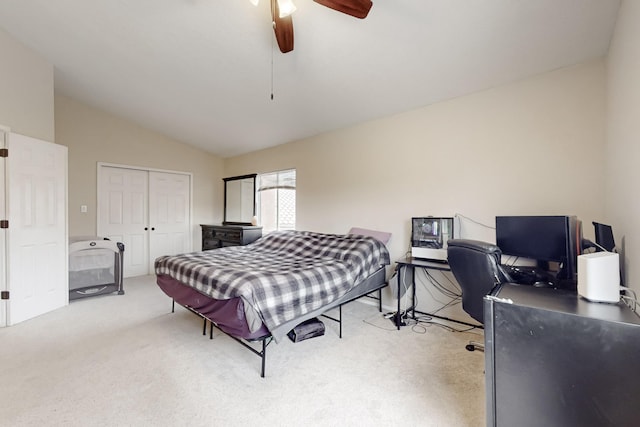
(474,345)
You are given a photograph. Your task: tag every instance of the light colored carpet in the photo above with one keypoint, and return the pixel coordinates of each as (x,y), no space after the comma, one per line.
(128,361)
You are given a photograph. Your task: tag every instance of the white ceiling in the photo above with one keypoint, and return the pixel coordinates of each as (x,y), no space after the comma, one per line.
(202,71)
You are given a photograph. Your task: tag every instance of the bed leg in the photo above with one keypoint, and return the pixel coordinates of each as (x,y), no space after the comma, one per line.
(264,356)
(210,330)
(173,306)
(204,327)
(380,300)
(340,317)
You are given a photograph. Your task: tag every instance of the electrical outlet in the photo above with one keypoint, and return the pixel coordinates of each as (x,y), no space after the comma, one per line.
(83,208)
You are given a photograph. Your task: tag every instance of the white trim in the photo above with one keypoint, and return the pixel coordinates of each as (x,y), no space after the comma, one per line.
(142,168)
(4,248)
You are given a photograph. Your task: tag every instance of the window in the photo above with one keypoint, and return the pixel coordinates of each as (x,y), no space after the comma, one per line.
(277,200)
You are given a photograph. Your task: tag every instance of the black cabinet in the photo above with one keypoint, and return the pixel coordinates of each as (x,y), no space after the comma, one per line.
(555,359)
(218,236)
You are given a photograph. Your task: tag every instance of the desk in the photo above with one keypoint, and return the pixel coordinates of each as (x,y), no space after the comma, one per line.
(551,349)
(409,265)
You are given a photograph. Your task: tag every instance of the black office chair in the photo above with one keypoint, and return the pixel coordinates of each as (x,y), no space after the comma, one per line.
(476,266)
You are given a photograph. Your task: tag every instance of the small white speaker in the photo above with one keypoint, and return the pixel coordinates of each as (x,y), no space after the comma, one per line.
(599,276)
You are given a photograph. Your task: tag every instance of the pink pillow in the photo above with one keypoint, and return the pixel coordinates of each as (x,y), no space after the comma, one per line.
(380,235)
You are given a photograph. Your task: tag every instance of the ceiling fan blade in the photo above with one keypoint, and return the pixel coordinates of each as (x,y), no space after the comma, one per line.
(283,28)
(357,8)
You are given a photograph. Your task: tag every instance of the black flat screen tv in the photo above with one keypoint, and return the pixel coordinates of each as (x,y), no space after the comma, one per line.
(543,238)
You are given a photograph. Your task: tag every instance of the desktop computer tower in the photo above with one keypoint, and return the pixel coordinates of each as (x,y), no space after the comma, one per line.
(429,236)
(555,359)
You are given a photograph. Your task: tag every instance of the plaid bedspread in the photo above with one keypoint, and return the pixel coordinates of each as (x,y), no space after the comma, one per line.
(282,275)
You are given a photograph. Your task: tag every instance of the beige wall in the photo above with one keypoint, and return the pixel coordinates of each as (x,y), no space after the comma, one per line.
(26,90)
(533,147)
(623,137)
(94,136)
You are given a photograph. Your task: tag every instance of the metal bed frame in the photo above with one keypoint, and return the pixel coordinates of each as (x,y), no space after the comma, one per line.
(267,339)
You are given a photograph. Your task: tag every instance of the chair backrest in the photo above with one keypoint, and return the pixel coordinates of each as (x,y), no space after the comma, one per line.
(476,267)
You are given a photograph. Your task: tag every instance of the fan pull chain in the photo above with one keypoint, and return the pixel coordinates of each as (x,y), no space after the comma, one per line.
(273,25)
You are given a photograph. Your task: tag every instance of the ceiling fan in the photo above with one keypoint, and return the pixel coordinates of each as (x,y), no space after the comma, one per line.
(281,11)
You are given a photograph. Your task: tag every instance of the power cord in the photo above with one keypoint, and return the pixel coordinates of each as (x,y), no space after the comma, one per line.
(632,300)
(459,216)
(430,321)
(399,318)
(454,295)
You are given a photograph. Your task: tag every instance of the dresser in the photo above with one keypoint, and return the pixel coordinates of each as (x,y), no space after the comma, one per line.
(218,236)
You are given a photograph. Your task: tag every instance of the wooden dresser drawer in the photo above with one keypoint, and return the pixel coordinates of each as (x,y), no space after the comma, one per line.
(228,235)
(210,244)
(217,236)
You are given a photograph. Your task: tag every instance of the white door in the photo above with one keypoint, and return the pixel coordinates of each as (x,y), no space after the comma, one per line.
(148,211)
(169,221)
(37,248)
(122,215)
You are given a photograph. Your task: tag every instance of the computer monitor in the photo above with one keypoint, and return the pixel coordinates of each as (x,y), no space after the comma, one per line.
(604,237)
(543,238)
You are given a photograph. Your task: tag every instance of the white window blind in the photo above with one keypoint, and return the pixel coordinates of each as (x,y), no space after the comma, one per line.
(277,200)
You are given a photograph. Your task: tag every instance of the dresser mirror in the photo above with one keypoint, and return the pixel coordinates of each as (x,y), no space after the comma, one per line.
(239,199)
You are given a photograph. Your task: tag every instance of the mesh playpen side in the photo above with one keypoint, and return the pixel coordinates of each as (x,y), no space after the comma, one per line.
(95,267)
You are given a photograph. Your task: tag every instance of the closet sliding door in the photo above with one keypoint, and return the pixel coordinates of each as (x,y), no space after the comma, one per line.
(123,209)
(169,214)
(147,210)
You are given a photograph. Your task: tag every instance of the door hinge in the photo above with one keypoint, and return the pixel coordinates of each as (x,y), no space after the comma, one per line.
(4,295)
(4,223)
(4,152)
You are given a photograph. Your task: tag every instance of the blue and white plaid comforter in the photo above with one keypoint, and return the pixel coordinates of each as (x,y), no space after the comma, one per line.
(283,275)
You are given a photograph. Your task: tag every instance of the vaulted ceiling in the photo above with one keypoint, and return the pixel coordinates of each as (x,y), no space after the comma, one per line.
(203,71)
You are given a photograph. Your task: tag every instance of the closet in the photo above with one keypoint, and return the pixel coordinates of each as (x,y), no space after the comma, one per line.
(147,210)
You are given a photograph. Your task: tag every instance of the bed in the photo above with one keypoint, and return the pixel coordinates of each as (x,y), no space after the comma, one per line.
(259,292)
